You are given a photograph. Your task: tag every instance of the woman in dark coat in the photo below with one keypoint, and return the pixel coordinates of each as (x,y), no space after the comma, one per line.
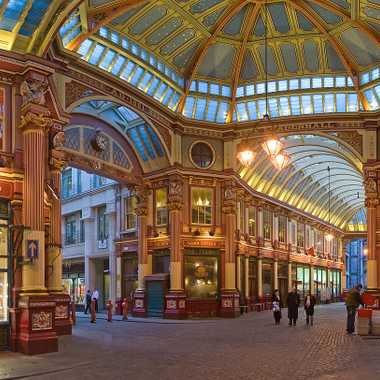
(277,305)
(309,308)
(293,304)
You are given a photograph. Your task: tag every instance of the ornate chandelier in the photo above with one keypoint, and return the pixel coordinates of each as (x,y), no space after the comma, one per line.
(272,146)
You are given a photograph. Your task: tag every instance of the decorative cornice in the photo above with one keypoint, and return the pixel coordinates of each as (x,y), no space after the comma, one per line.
(33,120)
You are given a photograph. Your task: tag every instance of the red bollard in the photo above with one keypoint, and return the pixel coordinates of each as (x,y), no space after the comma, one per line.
(125,309)
(109,311)
(93,312)
(73,313)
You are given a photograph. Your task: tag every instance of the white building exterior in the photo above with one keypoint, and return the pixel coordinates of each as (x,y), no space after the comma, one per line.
(89,229)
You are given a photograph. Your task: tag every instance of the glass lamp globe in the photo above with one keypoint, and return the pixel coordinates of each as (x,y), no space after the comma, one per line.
(280,160)
(329,236)
(246,157)
(272,146)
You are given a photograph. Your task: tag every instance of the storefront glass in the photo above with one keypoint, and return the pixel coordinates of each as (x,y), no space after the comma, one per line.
(75,288)
(201,274)
(252,278)
(320,284)
(267,278)
(301,278)
(130,273)
(161,261)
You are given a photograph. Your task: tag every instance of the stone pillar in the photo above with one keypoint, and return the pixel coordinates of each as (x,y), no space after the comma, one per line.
(275,273)
(260,279)
(229,296)
(111,215)
(373,260)
(290,282)
(176,298)
(63,322)
(89,248)
(139,306)
(37,309)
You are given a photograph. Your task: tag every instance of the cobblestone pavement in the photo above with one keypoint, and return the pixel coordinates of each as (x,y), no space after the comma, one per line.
(251,347)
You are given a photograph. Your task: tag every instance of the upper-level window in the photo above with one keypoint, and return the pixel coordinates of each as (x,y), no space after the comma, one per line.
(161,207)
(242,216)
(267,224)
(102,223)
(252,221)
(5,270)
(300,235)
(318,238)
(67,183)
(201,206)
(130,204)
(70,229)
(98,181)
(282,228)
(202,155)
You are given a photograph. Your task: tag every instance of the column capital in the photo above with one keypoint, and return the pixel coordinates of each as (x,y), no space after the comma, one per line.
(371,202)
(175,193)
(36,120)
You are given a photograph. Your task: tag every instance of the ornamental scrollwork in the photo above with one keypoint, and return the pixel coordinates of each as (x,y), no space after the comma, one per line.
(175,194)
(33,91)
(41,120)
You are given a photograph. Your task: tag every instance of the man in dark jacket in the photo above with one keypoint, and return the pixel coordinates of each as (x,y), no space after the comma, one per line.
(353,300)
(88,301)
(293,304)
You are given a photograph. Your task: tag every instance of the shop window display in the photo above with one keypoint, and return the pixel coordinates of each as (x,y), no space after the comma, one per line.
(201,276)
(267,219)
(282,229)
(201,210)
(252,221)
(301,279)
(267,279)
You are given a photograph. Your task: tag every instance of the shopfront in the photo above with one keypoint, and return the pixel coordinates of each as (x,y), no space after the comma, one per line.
(335,283)
(301,279)
(130,273)
(73,280)
(161,261)
(320,284)
(202,281)
(283,280)
(5,275)
(252,279)
(268,278)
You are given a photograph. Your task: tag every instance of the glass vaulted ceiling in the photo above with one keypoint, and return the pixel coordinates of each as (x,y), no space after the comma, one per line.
(304,182)
(204,58)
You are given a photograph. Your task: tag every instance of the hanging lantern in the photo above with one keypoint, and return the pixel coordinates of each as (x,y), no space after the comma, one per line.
(272,146)
(329,236)
(246,156)
(280,160)
(365,251)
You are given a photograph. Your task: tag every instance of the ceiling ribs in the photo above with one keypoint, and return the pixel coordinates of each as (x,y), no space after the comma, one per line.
(231,11)
(253,13)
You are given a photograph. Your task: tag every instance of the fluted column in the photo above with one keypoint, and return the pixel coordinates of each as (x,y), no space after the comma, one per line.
(229,296)
(275,273)
(290,282)
(34,127)
(54,247)
(260,277)
(111,215)
(373,260)
(141,211)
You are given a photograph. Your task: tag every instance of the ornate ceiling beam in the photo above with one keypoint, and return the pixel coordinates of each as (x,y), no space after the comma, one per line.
(341,216)
(251,18)
(3,7)
(231,11)
(43,39)
(99,18)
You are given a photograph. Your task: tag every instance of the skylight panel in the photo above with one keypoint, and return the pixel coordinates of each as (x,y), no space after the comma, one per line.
(136,75)
(260,88)
(272,87)
(284,106)
(144,81)
(329,102)
(153,86)
(328,82)
(293,84)
(200,108)
(341,102)
(167,96)
(137,142)
(282,85)
(242,112)
(371,98)
(214,89)
(156,141)
(250,90)
(96,54)
(173,104)
(226,91)
(273,107)
(203,87)
(305,83)
(103,32)
(352,102)
(252,112)
(364,78)
(375,74)
(128,70)
(84,48)
(212,106)
(120,60)
(106,61)
(160,91)
(340,82)
(193,85)
(240,92)
(295,105)
(189,106)
(261,108)
(307,107)
(318,103)
(316,82)
(222,112)
(146,141)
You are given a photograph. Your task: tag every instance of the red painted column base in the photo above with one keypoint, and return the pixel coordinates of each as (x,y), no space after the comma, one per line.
(36,334)
(229,304)
(63,321)
(175,305)
(139,304)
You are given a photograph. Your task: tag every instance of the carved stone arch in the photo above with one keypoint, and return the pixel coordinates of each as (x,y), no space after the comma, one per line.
(117,159)
(86,94)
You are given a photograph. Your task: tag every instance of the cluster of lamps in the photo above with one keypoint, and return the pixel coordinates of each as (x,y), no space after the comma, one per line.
(272,147)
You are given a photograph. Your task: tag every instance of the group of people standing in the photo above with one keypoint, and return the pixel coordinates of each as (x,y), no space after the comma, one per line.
(91,296)
(293,302)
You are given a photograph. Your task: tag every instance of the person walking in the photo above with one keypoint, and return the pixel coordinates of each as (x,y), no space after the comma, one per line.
(309,304)
(293,304)
(88,301)
(277,305)
(353,301)
(95,297)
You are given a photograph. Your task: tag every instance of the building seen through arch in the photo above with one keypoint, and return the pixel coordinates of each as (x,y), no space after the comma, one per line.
(191,156)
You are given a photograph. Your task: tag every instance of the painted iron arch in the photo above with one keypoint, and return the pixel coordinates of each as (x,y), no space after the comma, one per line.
(304,183)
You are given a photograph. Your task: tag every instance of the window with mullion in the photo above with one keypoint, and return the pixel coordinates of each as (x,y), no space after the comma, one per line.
(161,207)
(102,224)
(129,213)
(282,228)
(267,224)
(201,206)
(70,229)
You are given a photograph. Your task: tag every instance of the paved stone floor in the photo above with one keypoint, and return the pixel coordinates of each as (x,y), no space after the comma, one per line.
(250,348)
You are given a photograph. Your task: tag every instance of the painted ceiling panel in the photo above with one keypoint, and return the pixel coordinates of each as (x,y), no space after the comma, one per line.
(279,16)
(127,15)
(333,60)
(182,59)
(213,17)
(363,48)
(233,27)
(272,63)
(180,39)
(146,21)
(249,68)
(259,28)
(311,55)
(217,62)
(164,30)
(203,5)
(327,16)
(289,56)
(303,22)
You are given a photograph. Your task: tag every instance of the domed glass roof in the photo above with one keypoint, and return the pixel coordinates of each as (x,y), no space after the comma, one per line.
(205,58)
